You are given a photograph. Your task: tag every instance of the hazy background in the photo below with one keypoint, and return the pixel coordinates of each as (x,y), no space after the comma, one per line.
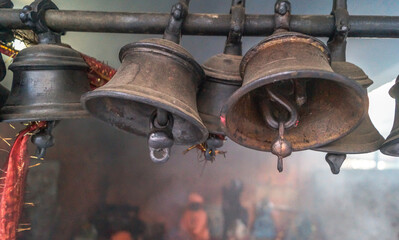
(99,164)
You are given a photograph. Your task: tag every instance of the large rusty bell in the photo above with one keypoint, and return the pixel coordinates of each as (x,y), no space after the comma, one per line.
(391,144)
(154,93)
(365,138)
(48,82)
(330,106)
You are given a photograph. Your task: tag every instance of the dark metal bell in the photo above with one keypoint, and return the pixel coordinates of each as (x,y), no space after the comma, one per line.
(47,85)
(391,144)
(3,95)
(155,74)
(223,79)
(328,108)
(365,138)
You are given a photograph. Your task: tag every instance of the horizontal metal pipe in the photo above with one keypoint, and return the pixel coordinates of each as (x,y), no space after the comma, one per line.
(202,24)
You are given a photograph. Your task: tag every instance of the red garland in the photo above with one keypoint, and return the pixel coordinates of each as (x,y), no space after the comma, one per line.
(14,180)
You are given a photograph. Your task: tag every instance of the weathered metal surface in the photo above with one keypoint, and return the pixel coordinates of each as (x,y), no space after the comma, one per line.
(391,144)
(155,73)
(202,24)
(365,138)
(223,79)
(323,118)
(47,84)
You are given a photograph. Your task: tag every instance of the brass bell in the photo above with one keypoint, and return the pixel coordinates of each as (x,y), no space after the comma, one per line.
(154,93)
(391,145)
(328,104)
(155,73)
(3,95)
(365,138)
(48,82)
(222,80)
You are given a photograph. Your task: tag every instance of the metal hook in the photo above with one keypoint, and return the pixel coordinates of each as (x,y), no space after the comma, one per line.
(284,103)
(282,15)
(233,43)
(337,42)
(178,14)
(33,16)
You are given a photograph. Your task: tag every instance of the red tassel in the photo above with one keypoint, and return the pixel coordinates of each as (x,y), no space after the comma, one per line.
(15,173)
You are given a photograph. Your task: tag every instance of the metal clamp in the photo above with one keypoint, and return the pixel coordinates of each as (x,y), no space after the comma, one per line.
(33,15)
(160,139)
(337,42)
(178,14)
(44,139)
(282,15)
(233,44)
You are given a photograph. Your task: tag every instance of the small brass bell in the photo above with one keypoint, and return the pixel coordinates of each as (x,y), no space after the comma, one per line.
(154,92)
(222,80)
(391,144)
(48,82)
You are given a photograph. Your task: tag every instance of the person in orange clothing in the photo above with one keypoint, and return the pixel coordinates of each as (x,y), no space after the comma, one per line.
(194,222)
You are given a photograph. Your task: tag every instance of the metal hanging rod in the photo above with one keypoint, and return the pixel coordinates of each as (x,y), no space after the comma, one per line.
(202,24)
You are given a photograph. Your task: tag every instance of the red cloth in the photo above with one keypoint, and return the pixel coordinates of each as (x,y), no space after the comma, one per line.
(14,181)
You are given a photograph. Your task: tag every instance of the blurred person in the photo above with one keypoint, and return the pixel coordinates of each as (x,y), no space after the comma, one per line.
(264,227)
(194,222)
(235,216)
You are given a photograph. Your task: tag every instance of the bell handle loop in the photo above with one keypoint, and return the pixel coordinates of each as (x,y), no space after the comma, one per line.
(233,45)
(337,42)
(178,14)
(165,155)
(285,104)
(33,16)
(47,139)
(282,15)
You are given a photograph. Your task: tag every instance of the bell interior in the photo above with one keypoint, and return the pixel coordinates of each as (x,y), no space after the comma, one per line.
(330,112)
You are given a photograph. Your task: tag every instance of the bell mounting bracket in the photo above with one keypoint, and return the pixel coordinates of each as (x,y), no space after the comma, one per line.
(178,13)
(282,15)
(233,44)
(33,16)
(337,42)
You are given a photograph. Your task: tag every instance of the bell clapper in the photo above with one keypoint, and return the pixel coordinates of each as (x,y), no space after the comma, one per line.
(335,161)
(281,147)
(44,139)
(160,139)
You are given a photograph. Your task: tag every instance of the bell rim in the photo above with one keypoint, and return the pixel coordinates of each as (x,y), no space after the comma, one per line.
(142,100)
(387,147)
(375,145)
(78,113)
(179,52)
(249,55)
(301,74)
(394,91)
